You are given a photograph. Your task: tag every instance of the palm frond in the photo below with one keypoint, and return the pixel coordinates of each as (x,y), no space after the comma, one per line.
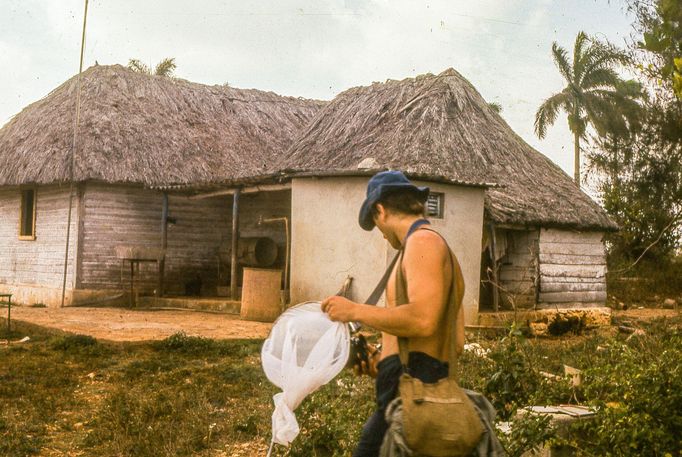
(604,116)
(600,77)
(547,113)
(581,40)
(166,67)
(560,57)
(600,55)
(612,111)
(139,67)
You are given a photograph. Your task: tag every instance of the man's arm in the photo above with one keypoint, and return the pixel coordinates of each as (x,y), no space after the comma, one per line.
(424,264)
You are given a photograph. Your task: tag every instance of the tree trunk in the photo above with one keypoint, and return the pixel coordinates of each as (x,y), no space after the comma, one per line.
(576,163)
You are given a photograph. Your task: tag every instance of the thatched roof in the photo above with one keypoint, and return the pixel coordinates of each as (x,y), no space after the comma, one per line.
(441,129)
(151,130)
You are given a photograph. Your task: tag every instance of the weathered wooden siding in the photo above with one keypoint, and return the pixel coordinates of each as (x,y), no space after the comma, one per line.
(518,268)
(131,216)
(116,216)
(572,267)
(193,241)
(38,262)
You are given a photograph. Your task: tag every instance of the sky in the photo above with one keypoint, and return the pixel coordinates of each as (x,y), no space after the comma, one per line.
(312,49)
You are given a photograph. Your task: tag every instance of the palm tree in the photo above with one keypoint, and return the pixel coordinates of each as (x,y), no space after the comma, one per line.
(164,68)
(594,94)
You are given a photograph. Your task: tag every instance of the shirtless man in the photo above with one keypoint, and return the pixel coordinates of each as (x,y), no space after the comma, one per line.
(396,207)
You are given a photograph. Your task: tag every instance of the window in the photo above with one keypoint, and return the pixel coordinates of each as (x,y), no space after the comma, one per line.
(434,205)
(27,218)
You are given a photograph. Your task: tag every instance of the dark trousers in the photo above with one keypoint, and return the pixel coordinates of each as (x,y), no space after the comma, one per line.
(420,366)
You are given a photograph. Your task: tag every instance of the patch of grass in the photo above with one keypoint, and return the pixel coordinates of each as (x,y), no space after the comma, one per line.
(196,396)
(17,439)
(169,421)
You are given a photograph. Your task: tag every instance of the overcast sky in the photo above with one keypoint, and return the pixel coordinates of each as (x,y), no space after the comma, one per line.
(312,49)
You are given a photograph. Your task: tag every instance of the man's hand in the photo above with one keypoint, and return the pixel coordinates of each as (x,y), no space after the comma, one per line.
(339,309)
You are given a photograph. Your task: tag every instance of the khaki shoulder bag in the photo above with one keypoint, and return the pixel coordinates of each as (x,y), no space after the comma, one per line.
(438,419)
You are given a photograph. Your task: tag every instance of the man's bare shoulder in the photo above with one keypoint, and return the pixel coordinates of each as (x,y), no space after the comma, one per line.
(426,243)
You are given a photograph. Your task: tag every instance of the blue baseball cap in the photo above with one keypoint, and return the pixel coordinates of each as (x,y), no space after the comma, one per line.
(381,184)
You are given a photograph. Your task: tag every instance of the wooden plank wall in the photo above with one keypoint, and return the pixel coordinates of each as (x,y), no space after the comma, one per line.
(518,268)
(193,241)
(131,216)
(41,261)
(572,267)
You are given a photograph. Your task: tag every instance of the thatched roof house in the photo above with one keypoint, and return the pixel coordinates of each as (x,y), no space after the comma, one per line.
(137,133)
(151,130)
(543,236)
(161,163)
(439,127)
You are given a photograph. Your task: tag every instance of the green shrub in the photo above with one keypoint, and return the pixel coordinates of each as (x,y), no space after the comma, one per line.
(331,419)
(511,379)
(181,343)
(637,391)
(528,433)
(72,342)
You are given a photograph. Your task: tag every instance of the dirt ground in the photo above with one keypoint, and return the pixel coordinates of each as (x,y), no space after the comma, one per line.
(646,313)
(119,324)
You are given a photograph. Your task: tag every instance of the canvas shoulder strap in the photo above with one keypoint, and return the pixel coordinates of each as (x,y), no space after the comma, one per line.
(381,286)
(453,305)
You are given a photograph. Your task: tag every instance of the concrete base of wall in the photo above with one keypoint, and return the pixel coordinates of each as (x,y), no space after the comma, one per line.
(591,317)
(100,297)
(29,295)
(197,303)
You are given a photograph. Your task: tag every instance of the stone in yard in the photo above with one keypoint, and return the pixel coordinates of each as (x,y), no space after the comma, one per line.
(669,303)
(538,328)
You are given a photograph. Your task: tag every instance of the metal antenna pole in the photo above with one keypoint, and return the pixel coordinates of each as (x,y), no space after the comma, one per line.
(73,153)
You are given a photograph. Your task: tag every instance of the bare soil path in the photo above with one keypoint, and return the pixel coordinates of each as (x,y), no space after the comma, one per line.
(119,324)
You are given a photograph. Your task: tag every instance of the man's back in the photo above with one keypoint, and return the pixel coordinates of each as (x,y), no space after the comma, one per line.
(427,271)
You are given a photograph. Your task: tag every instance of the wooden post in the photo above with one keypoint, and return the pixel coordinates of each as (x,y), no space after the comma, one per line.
(235,245)
(132,283)
(164,245)
(538,277)
(9,317)
(493,257)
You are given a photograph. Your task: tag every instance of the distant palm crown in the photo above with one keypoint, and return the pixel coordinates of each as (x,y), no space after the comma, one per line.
(595,94)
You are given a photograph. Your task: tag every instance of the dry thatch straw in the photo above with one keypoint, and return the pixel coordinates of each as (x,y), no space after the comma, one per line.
(439,127)
(137,128)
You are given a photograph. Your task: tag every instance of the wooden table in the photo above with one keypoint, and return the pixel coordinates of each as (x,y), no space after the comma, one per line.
(135,262)
(9,312)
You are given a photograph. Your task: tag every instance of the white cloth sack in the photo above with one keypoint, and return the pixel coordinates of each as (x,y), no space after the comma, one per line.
(304,351)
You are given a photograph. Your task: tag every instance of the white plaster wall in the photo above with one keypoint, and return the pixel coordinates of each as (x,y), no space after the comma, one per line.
(328,244)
